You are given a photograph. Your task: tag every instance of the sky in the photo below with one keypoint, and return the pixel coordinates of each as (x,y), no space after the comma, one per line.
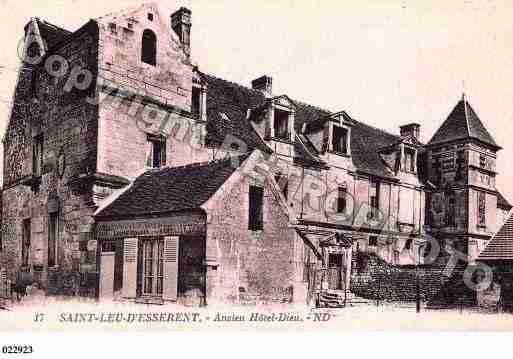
(385,62)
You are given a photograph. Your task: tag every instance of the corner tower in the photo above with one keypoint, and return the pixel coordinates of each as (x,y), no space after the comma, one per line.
(461,159)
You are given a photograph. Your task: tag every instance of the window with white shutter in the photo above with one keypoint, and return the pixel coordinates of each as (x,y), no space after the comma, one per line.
(171,251)
(130,268)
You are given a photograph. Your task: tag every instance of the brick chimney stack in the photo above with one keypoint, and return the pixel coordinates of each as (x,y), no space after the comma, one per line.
(263,84)
(181,24)
(411,129)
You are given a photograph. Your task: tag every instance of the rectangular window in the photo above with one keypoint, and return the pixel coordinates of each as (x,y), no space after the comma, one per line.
(37,156)
(482,161)
(342,200)
(256,213)
(339,143)
(196,101)
(283,183)
(25,244)
(53,235)
(481,214)
(156,152)
(451,211)
(374,200)
(373,241)
(409,161)
(281,124)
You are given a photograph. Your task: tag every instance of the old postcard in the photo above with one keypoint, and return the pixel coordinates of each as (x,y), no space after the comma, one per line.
(271,166)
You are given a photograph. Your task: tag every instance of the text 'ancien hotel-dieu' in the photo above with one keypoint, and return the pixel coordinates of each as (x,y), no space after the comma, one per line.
(159,182)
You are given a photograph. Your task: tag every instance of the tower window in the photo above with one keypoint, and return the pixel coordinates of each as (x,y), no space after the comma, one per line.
(149,48)
(374,200)
(150,16)
(25,245)
(481,213)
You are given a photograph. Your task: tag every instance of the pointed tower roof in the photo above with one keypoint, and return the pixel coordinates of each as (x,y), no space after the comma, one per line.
(463,123)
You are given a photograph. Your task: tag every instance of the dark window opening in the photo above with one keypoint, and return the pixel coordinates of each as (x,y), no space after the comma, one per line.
(374,200)
(196,101)
(25,245)
(460,165)
(281,124)
(37,156)
(149,48)
(150,16)
(339,142)
(482,161)
(157,152)
(283,183)
(342,200)
(373,241)
(256,213)
(53,234)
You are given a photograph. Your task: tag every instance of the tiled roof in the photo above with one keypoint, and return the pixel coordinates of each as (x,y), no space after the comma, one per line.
(502,202)
(366,142)
(51,34)
(172,189)
(500,246)
(227,107)
(462,123)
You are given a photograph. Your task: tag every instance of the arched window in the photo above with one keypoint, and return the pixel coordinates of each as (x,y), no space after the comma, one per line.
(149,48)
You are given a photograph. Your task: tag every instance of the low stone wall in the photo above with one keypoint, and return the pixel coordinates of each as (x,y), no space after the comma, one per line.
(373,278)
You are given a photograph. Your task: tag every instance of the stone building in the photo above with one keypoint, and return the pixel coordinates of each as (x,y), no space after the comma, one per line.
(130,173)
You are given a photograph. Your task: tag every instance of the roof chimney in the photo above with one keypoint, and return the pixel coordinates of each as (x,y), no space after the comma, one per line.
(411,129)
(181,24)
(263,84)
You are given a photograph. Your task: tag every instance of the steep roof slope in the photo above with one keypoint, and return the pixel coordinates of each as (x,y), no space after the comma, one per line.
(462,123)
(172,189)
(500,246)
(366,142)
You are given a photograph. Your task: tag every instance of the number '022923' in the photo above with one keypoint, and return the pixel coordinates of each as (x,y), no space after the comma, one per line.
(17,349)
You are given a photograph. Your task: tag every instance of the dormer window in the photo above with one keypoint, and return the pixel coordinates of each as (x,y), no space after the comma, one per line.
(339,140)
(281,124)
(409,160)
(149,48)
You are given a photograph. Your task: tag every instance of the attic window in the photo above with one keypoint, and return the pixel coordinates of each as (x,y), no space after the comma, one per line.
(281,124)
(409,160)
(149,48)
(150,16)
(339,140)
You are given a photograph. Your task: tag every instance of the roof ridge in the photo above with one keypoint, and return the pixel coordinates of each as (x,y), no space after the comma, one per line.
(194,164)
(230,82)
(45,22)
(377,129)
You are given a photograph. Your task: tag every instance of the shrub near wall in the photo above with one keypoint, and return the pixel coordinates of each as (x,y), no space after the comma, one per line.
(373,278)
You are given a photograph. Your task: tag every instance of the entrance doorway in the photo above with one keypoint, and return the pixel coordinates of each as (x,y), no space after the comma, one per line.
(152,268)
(335,271)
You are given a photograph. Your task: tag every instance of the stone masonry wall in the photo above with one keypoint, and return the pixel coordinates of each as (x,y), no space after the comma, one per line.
(67,122)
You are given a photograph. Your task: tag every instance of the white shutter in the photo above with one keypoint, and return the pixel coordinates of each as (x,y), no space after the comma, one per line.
(130,268)
(170,268)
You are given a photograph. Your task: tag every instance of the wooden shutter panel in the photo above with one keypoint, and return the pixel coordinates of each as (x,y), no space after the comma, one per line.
(149,154)
(163,154)
(171,250)
(130,268)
